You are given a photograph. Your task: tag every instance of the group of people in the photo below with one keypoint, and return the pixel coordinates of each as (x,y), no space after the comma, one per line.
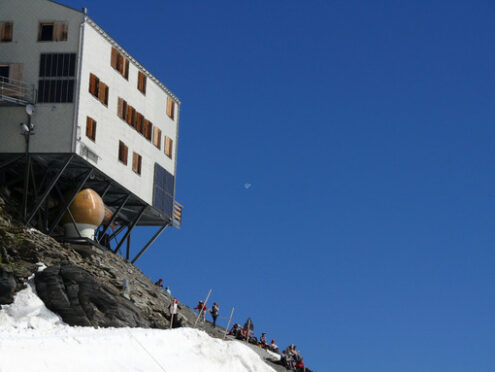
(291,358)
(214,311)
(159,283)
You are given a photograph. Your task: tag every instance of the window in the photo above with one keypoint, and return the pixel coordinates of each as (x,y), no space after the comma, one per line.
(136,162)
(98,89)
(91,128)
(4,72)
(168,146)
(53,31)
(120,63)
(147,129)
(57,75)
(157,138)
(138,123)
(142,82)
(6,31)
(170,108)
(122,109)
(123,152)
(131,113)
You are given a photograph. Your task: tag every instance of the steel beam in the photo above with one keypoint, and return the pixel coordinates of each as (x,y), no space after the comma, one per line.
(151,241)
(48,190)
(69,202)
(10,161)
(130,228)
(114,217)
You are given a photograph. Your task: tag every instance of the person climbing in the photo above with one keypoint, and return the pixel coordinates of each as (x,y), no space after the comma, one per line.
(201,307)
(214,313)
(167,289)
(263,340)
(159,283)
(173,309)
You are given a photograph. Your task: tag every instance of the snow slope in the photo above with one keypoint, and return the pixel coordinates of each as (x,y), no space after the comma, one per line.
(32,338)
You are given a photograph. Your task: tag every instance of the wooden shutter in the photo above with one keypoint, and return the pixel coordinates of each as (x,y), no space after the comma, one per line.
(170,108)
(142,82)
(60,31)
(6,31)
(139,123)
(113,59)
(149,128)
(16,71)
(65,31)
(103,93)
(93,81)
(157,138)
(120,108)
(122,152)
(129,114)
(126,69)
(168,146)
(134,162)
(91,128)
(120,63)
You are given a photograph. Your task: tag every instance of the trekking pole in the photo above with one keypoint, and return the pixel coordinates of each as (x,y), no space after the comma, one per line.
(171,321)
(228,324)
(201,311)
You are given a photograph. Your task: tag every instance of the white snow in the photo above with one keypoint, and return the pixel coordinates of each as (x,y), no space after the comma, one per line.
(32,338)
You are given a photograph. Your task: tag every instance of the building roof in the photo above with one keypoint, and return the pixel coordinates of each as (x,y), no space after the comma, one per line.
(132,59)
(123,51)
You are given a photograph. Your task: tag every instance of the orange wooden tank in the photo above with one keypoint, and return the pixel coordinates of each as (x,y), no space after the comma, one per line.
(88,211)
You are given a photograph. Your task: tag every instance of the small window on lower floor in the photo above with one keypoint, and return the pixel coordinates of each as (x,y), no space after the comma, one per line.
(91,129)
(123,152)
(157,138)
(168,146)
(136,163)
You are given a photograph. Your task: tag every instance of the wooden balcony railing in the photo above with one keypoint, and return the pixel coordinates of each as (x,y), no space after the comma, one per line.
(177,214)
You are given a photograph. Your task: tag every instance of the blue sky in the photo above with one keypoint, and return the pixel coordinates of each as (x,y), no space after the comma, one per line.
(366,131)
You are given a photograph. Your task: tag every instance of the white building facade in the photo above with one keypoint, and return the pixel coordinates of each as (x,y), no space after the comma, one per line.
(91,99)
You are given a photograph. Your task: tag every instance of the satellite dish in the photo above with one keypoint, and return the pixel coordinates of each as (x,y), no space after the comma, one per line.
(29,109)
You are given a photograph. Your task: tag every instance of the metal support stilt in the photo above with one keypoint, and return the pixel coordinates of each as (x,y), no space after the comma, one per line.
(129,230)
(48,190)
(151,241)
(69,202)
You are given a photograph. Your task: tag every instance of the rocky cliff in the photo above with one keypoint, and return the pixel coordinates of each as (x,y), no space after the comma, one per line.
(83,284)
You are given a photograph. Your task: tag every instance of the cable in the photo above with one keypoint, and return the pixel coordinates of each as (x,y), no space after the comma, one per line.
(147,352)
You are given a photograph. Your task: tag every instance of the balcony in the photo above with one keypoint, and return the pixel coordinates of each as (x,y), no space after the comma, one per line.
(16,93)
(177,215)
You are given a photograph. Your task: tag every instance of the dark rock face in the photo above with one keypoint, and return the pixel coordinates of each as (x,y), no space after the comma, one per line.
(8,286)
(79,299)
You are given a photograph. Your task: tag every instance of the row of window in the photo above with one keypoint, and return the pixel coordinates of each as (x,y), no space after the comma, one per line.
(157,133)
(121,64)
(47,31)
(136,158)
(135,119)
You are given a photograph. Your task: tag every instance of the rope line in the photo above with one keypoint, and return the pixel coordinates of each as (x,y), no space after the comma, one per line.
(147,352)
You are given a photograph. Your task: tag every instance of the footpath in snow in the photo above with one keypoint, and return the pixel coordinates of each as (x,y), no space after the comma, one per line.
(32,338)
